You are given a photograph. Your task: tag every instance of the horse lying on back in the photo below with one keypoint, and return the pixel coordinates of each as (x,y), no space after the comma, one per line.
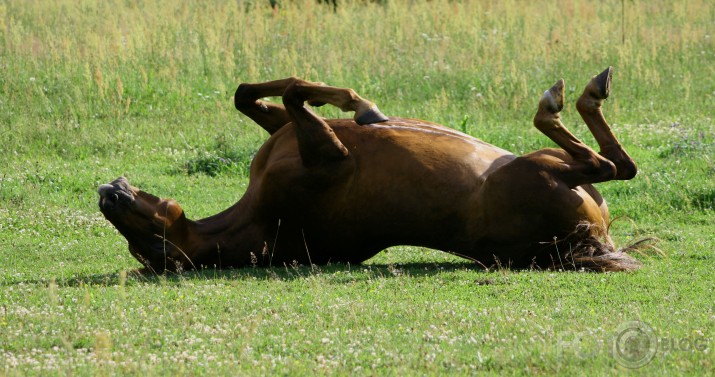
(341,190)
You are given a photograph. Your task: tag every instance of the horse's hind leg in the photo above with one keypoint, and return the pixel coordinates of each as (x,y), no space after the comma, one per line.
(589,106)
(587,166)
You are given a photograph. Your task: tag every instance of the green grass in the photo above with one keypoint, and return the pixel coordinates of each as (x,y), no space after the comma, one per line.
(93,90)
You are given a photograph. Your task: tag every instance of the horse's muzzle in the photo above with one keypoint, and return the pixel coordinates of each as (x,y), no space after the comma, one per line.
(114,193)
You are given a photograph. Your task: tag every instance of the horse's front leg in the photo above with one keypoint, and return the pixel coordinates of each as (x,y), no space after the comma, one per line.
(317,142)
(270,116)
(345,99)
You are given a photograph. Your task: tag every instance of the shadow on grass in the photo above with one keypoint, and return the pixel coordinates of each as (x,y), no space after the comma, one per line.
(333,274)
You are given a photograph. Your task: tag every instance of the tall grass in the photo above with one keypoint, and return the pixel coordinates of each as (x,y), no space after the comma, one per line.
(81,60)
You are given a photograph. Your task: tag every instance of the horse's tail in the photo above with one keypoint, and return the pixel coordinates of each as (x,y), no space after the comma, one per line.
(584,251)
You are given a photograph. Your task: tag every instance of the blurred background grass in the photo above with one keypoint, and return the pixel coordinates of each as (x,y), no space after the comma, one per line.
(77,61)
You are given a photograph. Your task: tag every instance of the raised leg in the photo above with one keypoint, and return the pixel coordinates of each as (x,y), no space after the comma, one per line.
(587,166)
(589,106)
(270,116)
(366,112)
(317,142)
(273,116)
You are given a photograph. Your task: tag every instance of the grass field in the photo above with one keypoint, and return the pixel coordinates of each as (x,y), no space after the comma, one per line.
(91,90)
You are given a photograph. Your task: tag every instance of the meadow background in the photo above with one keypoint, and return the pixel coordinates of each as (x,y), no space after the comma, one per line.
(91,90)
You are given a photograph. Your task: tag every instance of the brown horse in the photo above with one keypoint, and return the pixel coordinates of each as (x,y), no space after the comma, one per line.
(341,190)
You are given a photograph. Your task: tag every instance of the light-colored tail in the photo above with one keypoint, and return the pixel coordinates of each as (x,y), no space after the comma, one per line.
(583,251)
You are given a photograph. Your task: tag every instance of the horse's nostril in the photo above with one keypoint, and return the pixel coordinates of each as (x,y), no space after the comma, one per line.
(104,189)
(113,198)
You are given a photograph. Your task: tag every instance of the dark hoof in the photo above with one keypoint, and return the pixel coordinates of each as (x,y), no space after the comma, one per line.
(371,116)
(603,83)
(554,97)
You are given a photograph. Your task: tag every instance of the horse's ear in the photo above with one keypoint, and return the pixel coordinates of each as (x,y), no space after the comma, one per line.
(172,212)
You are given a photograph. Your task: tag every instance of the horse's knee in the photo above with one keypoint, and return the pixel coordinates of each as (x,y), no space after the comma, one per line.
(245,96)
(293,94)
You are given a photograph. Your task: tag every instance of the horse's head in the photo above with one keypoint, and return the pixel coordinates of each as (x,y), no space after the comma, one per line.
(156,229)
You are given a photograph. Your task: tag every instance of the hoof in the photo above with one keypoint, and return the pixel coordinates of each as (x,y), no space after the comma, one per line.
(603,83)
(554,97)
(373,115)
